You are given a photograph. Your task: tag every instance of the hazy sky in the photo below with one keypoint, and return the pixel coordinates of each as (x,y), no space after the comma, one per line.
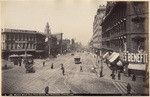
(74,18)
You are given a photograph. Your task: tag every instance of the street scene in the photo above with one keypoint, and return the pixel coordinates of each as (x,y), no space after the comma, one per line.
(109,59)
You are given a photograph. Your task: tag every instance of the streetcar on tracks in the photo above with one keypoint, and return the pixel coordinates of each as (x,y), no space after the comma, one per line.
(29,62)
(77,59)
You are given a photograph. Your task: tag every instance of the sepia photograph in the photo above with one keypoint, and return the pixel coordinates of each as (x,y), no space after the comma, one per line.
(74,48)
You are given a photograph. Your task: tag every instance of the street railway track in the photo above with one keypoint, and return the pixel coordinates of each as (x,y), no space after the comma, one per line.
(16,82)
(42,74)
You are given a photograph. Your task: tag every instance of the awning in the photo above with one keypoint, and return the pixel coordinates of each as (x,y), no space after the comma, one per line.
(106,55)
(39,51)
(28,55)
(119,63)
(114,57)
(111,56)
(14,55)
(137,66)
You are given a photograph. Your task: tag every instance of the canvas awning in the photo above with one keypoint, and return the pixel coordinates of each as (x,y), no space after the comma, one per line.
(119,63)
(14,55)
(113,57)
(137,66)
(106,55)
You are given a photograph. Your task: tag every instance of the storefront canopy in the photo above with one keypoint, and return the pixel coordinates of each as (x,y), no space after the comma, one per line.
(113,57)
(106,55)
(137,66)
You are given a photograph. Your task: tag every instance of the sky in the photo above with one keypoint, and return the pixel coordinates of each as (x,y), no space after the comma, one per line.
(74,18)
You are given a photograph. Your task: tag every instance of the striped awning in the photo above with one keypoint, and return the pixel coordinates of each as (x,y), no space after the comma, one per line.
(113,57)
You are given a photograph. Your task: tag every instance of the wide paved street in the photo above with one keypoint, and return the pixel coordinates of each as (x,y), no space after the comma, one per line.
(16,80)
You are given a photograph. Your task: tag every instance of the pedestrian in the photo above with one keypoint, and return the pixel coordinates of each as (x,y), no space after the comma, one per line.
(52,66)
(134,77)
(128,88)
(113,72)
(5,66)
(19,61)
(63,71)
(61,66)
(46,90)
(81,70)
(129,72)
(115,69)
(43,63)
(71,92)
(113,76)
(119,75)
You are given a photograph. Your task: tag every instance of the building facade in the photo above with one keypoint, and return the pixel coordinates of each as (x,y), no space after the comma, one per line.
(16,41)
(96,41)
(125,31)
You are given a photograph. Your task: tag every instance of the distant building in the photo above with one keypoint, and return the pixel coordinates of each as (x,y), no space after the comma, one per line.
(15,41)
(96,41)
(66,45)
(53,42)
(59,37)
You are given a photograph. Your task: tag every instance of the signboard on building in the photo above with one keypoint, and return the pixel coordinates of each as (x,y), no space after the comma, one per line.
(134,57)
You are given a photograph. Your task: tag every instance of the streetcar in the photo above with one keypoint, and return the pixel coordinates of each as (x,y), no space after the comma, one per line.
(77,59)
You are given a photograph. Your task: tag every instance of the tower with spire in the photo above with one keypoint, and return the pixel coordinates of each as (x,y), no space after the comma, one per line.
(47,30)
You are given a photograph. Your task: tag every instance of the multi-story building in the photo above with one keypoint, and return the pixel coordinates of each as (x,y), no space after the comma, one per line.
(125,31)
(97,30)
(66,45)
(54,42)
(16,41)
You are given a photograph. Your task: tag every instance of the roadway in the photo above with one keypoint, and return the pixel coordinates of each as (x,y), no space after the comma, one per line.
(17,81)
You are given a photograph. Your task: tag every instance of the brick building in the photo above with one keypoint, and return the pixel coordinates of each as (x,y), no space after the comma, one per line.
(96,42)
(15,41)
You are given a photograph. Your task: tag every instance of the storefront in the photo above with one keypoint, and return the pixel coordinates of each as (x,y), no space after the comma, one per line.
(136,63)
(138,69)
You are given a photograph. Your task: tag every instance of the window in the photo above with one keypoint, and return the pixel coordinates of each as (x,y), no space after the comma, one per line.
(27,38)
(11,46)
(7,37)
(11,37)
(16,45)
(6,46)
(23,37)
(15,37)
(19,37)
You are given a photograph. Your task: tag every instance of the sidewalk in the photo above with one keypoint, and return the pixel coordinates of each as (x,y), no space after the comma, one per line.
(107,72)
